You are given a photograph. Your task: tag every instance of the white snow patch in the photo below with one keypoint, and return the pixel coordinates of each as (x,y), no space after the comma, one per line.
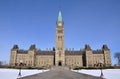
(108,73)
(13,73)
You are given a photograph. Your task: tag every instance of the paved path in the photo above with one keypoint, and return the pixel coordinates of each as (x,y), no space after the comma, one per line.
(60,73)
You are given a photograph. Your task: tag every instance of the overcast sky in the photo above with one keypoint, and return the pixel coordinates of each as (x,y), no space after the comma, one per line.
(26,22)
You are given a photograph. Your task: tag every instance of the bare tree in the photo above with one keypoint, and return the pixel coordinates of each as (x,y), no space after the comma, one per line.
(117,55)
(0,63)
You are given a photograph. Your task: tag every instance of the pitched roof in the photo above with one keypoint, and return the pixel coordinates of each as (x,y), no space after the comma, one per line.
(105,47)
(45,52)
(32,47)
(97,52)
(15,47)
(22,51)
(74,52)
(67,52)
(87,47)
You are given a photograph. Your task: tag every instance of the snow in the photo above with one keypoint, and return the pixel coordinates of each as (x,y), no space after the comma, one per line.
(108,73)
(13,73)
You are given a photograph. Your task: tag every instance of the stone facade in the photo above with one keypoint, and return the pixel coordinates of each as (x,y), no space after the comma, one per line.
(59,56)
(72,58)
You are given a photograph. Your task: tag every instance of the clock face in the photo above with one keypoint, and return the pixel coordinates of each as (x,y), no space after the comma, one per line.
(59,24)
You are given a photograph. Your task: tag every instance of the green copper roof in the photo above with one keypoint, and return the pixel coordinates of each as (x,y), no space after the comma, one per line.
(60,16)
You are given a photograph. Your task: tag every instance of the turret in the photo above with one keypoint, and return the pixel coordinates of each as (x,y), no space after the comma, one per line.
(31,54)
(15,47)
(107,57)
(87,48)
(88,56)
(13,55)
(32,47)
(105,47)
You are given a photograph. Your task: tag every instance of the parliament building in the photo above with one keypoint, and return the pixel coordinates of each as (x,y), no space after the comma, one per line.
(60,56)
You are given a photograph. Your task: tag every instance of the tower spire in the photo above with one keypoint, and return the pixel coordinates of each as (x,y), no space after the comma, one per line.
(60,13)
(60,16)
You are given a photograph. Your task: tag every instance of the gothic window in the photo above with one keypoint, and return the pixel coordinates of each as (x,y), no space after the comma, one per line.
(59,38)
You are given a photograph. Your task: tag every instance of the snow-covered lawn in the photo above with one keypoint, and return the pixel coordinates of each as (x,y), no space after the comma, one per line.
(108,73)
(13,73)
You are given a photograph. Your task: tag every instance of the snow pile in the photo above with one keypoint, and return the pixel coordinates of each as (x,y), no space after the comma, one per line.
(13,73)
(108,73)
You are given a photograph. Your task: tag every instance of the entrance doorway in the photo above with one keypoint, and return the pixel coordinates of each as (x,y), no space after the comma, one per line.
(60,63)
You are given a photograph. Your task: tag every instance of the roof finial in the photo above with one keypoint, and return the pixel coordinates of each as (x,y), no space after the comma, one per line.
(60,5)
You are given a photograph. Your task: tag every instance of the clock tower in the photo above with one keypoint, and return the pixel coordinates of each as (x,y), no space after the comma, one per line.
(60,53)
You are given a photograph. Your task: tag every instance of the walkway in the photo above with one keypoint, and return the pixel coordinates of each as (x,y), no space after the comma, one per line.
(60,73)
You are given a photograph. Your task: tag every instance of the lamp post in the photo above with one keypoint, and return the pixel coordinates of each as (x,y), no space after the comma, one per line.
(101,75)
(20,64)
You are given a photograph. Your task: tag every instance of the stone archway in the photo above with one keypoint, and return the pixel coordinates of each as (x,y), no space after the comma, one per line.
(60,63)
